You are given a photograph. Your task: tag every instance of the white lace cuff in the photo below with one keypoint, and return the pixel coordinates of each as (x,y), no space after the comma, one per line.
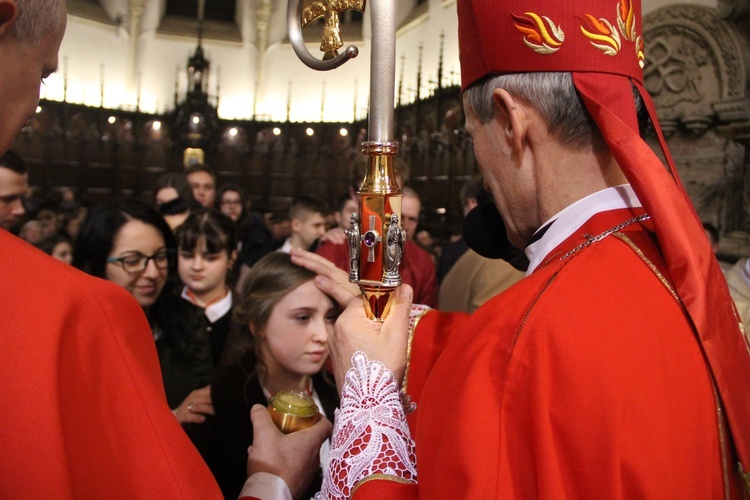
(370,433)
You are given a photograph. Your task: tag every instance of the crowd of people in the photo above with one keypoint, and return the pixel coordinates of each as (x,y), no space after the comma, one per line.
(233,319)
(616,367)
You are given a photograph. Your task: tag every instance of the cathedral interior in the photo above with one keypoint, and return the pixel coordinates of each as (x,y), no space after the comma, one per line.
(148,86)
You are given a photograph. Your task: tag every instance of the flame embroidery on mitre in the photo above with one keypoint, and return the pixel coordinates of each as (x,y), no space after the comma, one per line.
(537,36)
(626,20)
(639,51)
(602,35)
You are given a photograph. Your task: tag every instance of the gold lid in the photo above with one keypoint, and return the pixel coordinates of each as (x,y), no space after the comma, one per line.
(292,410)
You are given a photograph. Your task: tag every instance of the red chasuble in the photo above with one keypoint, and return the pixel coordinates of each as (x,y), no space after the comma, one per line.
(85,415)
(584,380)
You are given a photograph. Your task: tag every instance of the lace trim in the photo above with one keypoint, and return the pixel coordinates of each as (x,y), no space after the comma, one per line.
(370,433)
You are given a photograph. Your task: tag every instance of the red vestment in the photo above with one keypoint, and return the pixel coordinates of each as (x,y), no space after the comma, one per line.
(86,415)
(417,269)
(583,380)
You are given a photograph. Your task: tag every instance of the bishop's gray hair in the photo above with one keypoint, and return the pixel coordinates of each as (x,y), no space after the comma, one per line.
(36,18)
(554,97)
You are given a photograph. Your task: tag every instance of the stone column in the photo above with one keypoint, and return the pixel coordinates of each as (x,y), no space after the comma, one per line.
(263,11)
(136,8)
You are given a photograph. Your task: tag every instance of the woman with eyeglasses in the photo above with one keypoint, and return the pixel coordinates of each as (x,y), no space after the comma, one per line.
(129,243)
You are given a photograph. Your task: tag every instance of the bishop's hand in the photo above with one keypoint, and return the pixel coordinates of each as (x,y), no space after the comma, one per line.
(384,341)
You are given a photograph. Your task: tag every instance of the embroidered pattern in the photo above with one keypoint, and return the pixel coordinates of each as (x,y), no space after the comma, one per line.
(639,51)
(370,433)
(545,37)
(626,20)
(540,34)
(626,23)
(602,35)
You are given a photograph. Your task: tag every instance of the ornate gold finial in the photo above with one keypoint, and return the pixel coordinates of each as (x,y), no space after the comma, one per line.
(330,10)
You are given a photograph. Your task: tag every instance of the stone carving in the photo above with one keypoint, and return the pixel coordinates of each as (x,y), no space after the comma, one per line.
(696,71)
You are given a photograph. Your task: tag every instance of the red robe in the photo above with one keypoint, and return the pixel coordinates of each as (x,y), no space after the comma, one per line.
(85,412)
(584,380)
(417,269)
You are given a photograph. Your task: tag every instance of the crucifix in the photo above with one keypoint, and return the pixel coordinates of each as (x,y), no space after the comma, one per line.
(371,238)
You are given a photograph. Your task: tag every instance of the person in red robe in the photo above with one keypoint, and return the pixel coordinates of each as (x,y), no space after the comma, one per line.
(617,368)
(86,414)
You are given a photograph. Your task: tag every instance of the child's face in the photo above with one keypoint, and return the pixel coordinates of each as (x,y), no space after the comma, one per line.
(309,228)
(294,342)
(204,273)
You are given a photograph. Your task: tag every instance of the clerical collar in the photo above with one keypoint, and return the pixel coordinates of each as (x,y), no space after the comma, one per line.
(564,223)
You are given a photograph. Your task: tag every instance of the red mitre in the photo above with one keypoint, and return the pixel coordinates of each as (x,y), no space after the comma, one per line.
(600,42)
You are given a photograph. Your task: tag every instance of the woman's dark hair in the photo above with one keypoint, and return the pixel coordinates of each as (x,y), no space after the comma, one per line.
(226,188)
(178,181)
(218,230)
(97,235)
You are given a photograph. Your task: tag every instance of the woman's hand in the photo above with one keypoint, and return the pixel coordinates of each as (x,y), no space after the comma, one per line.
(195,407)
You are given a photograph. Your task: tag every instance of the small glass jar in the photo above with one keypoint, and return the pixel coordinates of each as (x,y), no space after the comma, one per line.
(293,410)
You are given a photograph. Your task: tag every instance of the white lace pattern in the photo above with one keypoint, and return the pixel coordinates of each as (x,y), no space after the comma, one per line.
(370,433)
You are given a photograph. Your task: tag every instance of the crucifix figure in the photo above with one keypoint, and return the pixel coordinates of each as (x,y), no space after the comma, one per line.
(330,10)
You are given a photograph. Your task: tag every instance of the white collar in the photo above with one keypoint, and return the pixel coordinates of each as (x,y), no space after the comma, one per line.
(216,310)
(568,220)
(287,246)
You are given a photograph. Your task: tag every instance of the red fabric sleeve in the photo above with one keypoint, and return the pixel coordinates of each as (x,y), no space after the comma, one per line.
(338,254)
(89,417)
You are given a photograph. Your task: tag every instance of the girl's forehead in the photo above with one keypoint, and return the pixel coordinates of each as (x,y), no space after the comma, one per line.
(306,294)
(201,246)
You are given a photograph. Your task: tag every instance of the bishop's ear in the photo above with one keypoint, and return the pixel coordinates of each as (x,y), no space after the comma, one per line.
(8,15)
(513,116)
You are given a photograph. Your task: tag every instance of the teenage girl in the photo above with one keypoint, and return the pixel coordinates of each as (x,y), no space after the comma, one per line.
(205,254)
(284,322)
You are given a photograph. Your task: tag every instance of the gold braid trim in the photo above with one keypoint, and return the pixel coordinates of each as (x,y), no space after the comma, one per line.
(720,418)
(745,479)
(651,266)
(380,477)
(405,383)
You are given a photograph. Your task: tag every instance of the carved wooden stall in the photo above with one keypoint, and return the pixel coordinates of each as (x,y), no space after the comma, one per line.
(72,146)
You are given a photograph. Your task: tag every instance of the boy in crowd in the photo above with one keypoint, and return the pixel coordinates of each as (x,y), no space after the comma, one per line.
(202,179)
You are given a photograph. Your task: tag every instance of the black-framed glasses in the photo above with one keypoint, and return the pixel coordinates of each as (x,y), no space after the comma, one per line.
(137,262)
